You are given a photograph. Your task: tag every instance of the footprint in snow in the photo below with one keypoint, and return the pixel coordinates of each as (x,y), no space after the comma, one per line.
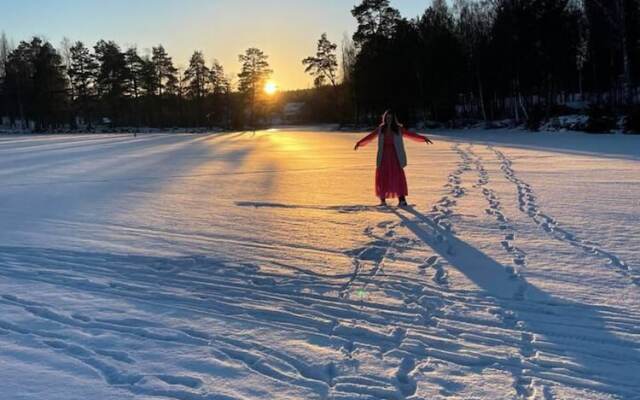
(441,277)
(429,262)
(507,245)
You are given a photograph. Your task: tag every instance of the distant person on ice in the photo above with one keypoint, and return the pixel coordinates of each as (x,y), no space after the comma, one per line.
(390,179)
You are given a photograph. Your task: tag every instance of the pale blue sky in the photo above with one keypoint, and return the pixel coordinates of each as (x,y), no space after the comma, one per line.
(287,30)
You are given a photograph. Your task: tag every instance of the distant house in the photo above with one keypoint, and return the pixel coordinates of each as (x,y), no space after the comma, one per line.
(292,112)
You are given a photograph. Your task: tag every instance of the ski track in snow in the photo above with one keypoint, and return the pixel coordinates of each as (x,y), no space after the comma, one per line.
(409,324)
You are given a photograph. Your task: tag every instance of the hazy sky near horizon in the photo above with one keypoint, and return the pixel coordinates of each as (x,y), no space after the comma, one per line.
(287,30)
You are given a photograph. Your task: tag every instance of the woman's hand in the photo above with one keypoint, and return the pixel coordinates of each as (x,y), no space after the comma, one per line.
(427,140)
(355,147)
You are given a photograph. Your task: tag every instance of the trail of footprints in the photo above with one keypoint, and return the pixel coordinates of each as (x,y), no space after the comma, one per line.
(495,209)
(523,384)
(528,204)
(417,334)
(265,360)
(442,211)
(422,329)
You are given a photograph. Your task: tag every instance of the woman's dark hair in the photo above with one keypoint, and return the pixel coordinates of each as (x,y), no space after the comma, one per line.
(395,125)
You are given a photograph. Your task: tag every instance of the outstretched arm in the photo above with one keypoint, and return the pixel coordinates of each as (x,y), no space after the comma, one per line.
(366,139)
(414,136)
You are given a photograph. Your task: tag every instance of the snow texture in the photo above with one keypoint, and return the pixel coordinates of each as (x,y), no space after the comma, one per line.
(257,266)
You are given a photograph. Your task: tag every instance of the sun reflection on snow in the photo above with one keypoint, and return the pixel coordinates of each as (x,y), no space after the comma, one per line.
(285,142)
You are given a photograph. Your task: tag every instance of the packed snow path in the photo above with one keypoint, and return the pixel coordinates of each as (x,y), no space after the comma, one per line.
(256,265)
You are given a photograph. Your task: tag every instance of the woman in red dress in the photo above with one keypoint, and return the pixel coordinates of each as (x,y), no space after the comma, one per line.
(390,179)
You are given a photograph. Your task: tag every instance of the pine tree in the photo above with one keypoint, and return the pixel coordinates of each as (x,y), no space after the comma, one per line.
(83,73)
(196,76)
(440,68)
(35,84)
(50,86)
(18,84)
(134,66)
(325,63)
(165,72)
(112,76)
(220,89)
(148,78)
(255,72)
(376,18)
(217,80)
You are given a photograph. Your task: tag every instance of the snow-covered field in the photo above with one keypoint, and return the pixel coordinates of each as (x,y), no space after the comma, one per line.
(256,266)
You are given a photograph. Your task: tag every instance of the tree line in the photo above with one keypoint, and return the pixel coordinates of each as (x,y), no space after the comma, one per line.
(486,60)
(525,60)
(80,87)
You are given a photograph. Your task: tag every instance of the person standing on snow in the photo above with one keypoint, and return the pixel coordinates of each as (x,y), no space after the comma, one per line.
(392,158)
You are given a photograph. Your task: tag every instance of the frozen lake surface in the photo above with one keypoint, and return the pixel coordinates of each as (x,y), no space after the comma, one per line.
(257,266)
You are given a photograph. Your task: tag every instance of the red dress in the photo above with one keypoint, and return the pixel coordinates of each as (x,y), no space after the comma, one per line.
(390,179)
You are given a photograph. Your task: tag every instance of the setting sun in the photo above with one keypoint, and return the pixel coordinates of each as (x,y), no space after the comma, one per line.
(270,88)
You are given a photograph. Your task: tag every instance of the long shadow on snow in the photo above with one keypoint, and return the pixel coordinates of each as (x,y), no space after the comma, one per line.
(558,322)
(116,178)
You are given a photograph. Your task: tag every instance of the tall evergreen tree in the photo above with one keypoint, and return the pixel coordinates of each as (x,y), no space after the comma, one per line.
(50,86)
(18,84)
(112,74)
(83,73)
(253,76)
(323,67)
(441,60)
(376,18)
(196,76)
(324,64)
(378,22)
(165,72)
(220,90)
(217,80)
(134,66)
(148,78)
(35,84)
